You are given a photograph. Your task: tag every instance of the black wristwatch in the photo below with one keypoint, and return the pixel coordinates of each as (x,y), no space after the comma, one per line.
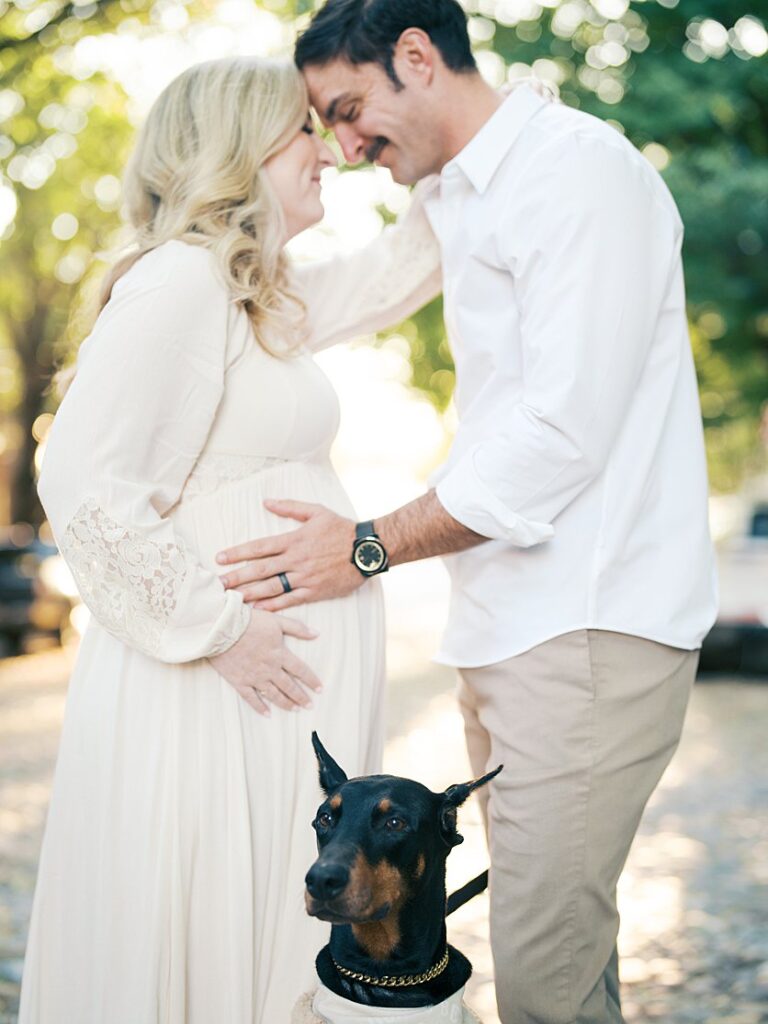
(369,555)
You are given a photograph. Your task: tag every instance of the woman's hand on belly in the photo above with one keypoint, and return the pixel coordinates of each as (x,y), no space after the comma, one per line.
(262,669)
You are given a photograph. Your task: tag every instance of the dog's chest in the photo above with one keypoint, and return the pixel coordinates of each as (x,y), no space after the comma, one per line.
(328,1008)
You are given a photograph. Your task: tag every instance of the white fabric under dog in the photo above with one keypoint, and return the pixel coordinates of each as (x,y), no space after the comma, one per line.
(329,1008)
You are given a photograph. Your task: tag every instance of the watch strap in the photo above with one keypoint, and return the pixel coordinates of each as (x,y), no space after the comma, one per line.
(363,530)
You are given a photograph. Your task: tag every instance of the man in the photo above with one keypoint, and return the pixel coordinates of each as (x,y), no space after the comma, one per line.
(573,504)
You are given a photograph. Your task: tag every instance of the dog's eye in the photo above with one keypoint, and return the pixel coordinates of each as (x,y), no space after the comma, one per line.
(395,824)
(324,820)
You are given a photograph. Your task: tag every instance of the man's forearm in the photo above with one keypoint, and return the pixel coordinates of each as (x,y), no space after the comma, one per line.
(314,560)
(423,529)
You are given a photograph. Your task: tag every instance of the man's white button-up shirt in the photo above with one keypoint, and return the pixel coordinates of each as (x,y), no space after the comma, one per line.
(579,449)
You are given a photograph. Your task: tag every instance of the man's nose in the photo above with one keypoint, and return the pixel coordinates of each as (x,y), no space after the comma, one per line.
(352,144)
(327,879)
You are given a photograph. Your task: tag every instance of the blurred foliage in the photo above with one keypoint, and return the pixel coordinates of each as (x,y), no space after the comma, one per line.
(61,149)
(686,81)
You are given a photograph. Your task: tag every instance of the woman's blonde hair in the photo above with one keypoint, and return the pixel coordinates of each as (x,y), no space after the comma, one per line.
(197,175)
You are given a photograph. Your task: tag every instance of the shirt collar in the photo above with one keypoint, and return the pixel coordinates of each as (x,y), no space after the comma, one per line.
(481,157)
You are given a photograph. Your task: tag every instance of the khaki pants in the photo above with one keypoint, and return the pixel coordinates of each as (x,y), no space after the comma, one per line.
(584,725)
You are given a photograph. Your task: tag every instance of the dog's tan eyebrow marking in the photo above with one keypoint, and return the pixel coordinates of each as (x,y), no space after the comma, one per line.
(385,805)
(336,801)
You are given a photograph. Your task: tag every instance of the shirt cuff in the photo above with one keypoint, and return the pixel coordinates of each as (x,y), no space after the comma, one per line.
(467,498)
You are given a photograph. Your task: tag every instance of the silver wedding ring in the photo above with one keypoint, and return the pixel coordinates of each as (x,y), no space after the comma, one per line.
(287,588)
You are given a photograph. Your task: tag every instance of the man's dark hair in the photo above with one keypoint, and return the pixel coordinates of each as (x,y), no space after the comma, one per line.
(366,32)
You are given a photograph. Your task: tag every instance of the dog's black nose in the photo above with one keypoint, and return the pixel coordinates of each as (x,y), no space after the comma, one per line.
(324,881)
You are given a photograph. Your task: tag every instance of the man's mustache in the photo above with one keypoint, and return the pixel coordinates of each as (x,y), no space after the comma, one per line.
(373,152)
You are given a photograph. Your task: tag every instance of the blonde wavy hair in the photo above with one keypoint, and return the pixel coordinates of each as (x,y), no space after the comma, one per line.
(197,175)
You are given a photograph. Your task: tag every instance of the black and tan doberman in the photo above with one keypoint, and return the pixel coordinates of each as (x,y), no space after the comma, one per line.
(379,880)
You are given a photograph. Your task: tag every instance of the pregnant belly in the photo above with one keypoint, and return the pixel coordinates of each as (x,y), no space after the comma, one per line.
(350,630)
(234,511)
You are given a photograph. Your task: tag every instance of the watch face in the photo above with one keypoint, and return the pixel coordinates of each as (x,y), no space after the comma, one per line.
(369,556)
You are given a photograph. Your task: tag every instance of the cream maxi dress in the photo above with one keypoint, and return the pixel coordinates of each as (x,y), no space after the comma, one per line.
(170,887)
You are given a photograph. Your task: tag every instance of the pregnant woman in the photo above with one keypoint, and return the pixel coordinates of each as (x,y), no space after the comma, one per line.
(170,888)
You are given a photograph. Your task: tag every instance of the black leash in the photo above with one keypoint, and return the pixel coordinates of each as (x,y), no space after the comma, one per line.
(466,892)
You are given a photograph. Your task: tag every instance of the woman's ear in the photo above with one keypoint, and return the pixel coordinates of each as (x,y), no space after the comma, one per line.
(331,775)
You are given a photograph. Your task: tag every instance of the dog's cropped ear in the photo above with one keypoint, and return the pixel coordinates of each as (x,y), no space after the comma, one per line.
(331,775)
(454,797)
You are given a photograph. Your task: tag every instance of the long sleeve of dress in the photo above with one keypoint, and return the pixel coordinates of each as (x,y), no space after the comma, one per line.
(149,381)
(374,287)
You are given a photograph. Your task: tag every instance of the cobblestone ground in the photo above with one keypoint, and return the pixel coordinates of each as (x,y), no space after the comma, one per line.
(694,897)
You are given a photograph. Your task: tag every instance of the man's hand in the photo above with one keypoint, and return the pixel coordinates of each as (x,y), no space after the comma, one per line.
(315,559)
(262,669)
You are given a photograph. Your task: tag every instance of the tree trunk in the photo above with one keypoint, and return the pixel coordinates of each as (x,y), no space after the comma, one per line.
(30,337)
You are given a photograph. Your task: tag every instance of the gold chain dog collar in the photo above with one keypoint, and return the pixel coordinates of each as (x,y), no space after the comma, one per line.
(396,981)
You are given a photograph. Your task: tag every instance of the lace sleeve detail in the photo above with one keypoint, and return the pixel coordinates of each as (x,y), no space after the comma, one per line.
(129,582)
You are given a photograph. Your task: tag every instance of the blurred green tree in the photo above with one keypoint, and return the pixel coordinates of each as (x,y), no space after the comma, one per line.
(684,79)
(61,141)
(66,140)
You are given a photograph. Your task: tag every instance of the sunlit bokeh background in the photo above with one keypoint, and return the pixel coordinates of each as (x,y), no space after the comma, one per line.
(685,80)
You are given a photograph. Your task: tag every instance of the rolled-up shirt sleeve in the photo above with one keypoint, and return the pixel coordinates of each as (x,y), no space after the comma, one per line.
(128,432)
(590,280)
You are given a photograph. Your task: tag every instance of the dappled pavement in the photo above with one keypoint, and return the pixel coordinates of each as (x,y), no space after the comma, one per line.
(696,889)
(694,897)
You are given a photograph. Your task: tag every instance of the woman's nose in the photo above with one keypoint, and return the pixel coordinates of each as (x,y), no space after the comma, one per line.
(325,154)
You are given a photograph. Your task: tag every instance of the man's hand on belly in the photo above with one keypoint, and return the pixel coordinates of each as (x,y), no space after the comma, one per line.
(314,559)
